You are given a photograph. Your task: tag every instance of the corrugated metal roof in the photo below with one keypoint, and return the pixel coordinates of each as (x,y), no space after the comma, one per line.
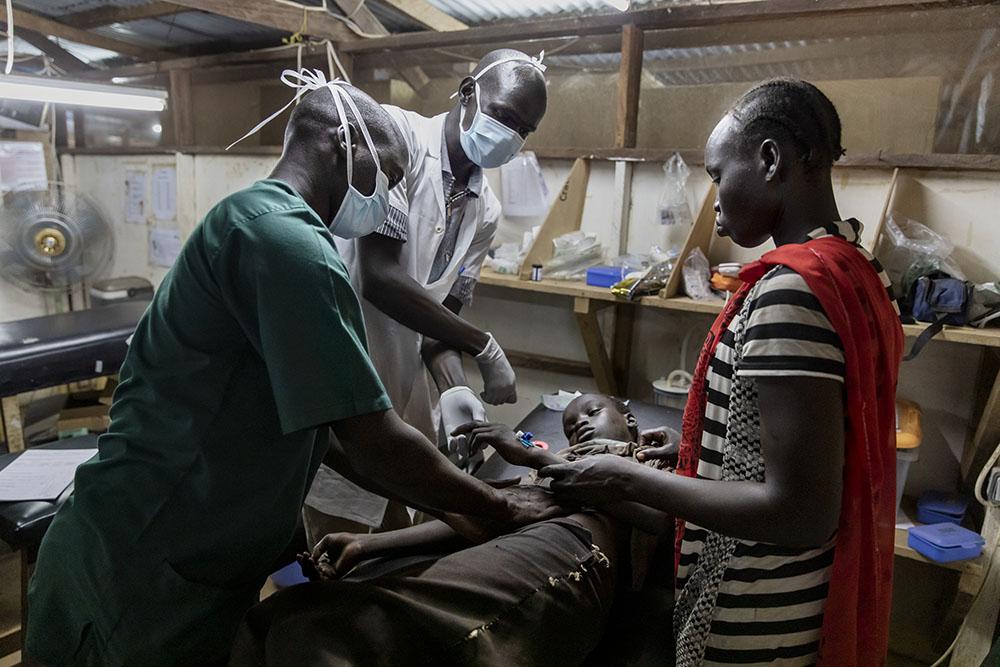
(483,11)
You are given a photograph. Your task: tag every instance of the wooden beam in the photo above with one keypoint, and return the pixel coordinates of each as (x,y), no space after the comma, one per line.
(629,76)
(369,23)
(671,16)
(60,56)
(274,15)
(181,107)
(585,311)
(100,16)
(52,28)
(426,14)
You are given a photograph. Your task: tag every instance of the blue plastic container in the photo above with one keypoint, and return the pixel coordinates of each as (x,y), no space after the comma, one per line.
(940,507)
(604,276)
(945,542)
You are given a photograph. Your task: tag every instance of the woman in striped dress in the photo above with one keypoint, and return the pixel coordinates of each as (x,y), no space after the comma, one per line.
(785,484)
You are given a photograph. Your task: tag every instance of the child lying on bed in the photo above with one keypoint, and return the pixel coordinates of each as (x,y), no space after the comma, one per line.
(545,590)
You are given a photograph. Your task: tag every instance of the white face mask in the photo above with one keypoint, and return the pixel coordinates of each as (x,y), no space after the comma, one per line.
(358,215)
(488,142)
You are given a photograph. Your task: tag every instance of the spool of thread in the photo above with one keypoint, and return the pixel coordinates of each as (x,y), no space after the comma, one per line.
(536,272)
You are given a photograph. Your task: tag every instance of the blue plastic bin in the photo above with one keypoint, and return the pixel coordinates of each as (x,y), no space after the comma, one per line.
(945,542)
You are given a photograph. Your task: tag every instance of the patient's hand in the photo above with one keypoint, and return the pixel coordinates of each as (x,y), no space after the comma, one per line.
(334,556)
(502,439)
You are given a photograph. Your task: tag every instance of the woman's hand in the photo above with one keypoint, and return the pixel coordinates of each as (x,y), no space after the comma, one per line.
(593,480)
(334,556)
(501,438)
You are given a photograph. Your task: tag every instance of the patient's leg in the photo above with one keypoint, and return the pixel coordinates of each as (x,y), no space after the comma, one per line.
(524,598)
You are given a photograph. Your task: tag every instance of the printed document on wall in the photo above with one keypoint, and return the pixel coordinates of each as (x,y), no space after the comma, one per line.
(164,246)
(135,196)
(165,193)
(525,194)
(22,166)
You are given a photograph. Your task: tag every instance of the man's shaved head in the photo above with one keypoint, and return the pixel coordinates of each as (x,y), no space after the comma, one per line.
(316,146)
(514,93)
(316,120)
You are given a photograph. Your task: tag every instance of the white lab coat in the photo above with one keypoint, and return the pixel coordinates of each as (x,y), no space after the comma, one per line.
(394,348)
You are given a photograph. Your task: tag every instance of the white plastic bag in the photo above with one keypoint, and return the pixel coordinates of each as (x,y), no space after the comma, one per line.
(910,249)
(697,275)
(672,211)
(573,254)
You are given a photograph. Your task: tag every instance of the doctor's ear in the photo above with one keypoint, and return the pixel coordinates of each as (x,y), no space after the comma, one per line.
(466,89)
(345,135)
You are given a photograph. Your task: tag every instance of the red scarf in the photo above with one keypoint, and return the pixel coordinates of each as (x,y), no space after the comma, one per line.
(856,619)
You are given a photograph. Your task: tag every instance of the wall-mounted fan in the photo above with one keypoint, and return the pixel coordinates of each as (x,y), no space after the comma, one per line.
(53,240)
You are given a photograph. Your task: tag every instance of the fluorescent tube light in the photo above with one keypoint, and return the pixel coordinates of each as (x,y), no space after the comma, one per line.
(620,5)
(80,93)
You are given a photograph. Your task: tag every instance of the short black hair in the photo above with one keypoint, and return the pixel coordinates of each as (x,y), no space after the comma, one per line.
(794,110)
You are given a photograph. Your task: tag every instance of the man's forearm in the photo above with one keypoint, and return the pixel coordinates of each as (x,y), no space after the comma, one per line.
(444,364)
(410,468)
(400,297)
(643,517)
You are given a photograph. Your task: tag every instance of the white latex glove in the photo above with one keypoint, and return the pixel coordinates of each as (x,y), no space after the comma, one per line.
(459,405)
(498,375)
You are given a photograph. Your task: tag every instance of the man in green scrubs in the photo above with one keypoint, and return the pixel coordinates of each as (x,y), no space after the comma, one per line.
(253,344)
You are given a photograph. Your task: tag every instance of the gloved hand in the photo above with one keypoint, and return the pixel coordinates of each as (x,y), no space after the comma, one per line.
(498,376)
(460,405)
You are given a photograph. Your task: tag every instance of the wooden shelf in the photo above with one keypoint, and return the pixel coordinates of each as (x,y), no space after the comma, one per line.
(963,335)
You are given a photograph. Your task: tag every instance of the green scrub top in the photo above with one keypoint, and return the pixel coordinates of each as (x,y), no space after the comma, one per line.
(254,340)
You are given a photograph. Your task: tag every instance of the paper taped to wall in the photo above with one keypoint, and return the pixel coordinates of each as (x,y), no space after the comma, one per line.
(165,193)
(164,246)
(135,196)
(22,166)
(41,474)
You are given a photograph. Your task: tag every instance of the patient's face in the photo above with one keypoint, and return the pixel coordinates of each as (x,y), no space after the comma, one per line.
(593,417)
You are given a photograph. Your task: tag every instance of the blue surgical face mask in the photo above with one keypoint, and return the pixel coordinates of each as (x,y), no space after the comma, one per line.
(488,142)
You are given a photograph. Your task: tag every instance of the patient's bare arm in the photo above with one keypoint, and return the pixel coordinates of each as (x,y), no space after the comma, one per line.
(338,553)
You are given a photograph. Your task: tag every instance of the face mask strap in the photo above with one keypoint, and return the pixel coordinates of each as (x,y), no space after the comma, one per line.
(363,127)
(337,92)
(535,62)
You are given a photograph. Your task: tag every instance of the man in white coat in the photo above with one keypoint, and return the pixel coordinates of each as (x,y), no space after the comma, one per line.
(420,267)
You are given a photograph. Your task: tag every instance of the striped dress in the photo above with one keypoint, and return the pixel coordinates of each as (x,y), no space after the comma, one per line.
(769,607)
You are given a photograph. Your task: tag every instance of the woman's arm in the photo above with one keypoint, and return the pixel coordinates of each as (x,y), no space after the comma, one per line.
(802,439)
